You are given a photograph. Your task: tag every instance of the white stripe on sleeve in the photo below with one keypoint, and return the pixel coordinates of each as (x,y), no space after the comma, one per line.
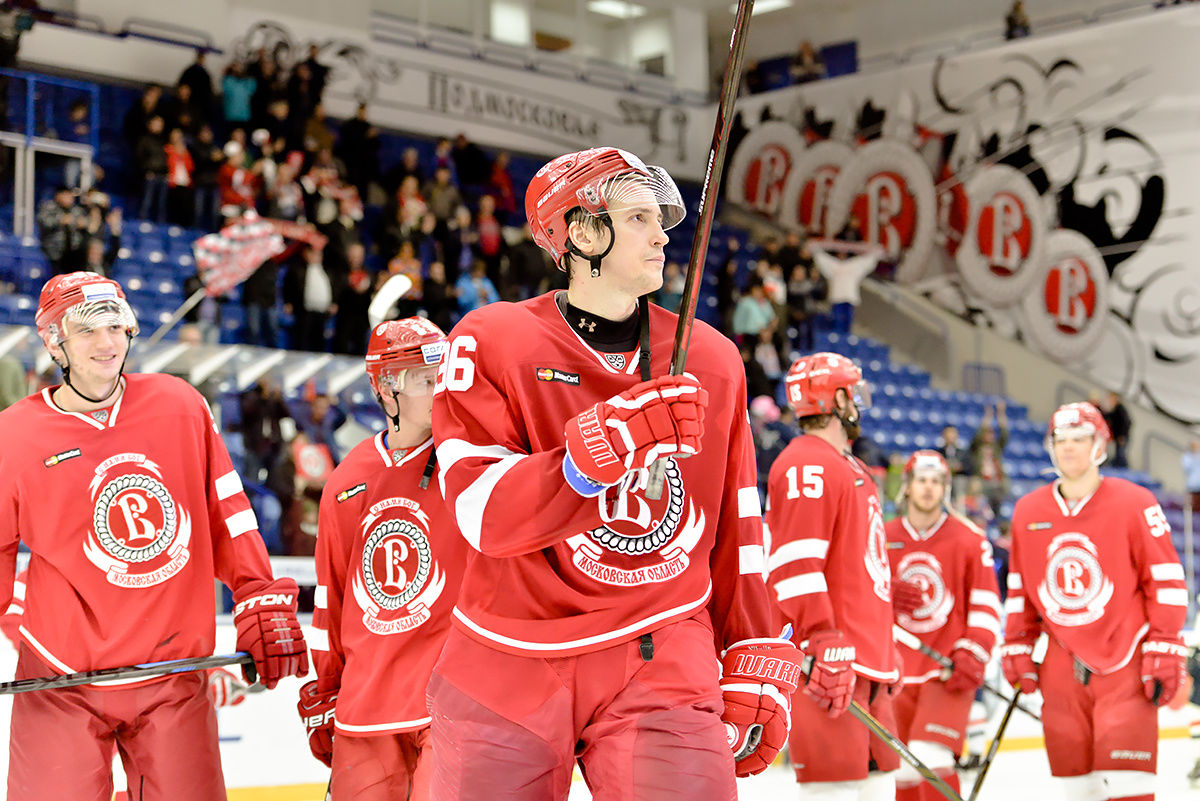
(1167,571)
(987,599)
(750,560)
(1014,605)
(796,550)
(804,584)
(241,522)
(748,503)
(321,597)
(228,485)
(317,639)
(470,505)
(984,620)
(1014,581)
(1172,597)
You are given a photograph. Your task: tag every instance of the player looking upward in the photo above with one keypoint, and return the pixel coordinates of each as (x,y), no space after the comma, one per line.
(122,489)
(598,612)
(944,592)
(1093,566)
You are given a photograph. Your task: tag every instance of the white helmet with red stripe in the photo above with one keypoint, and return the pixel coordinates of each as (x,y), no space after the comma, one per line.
(81,300)
(1081,419)
(926,462)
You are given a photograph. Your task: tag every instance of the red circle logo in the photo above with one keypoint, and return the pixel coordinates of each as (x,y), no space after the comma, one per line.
(1005,234)
(765,177)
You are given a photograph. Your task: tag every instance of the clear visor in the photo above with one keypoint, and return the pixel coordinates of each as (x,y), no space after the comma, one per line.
(84,317)
(410,381)
(630,190)
(860,393)
(1077,433)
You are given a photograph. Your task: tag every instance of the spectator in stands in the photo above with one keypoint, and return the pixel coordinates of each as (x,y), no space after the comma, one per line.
(183,111)
(308,298)
(351,325)
(752,79)
(439,299)
(259,297)
(358,148)
(793,253)
(139,115)
(529,270)
(766,353)
(302,98)
(409,164)
(472,167)
(318,72)
(151,158)
(318,135)
(757,382)
(753,313)
(269,89)
(321,423)
(285,198)
(807,65)
(263,426)
(474,289)
(987,454)
(61,224)
(490,245)
(14,382)
(958,458)
(406,263)
(670,294)
(844,272)
(207,158)
(206,315)
(1016,22)
(727,286)
(98,255)
(181,191)
(237,92)
(14,21)
(199,82)
(441,196)
(462,238)
(236,183)
(500,186)
(975,505)
(1119,424)
(805,289)
(1191,473)
(771,436)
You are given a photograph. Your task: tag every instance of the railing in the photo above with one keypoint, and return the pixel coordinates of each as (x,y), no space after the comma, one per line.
(167,33)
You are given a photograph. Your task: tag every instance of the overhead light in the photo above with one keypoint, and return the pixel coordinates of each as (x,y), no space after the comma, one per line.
(764,6)
(621,9)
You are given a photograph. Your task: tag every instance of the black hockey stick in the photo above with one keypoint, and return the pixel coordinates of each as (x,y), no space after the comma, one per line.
(994,746)
(906,637)
(896,744)
(708,204)
(132,672)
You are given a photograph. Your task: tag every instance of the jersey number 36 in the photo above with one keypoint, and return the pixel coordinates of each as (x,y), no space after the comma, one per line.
(457,370)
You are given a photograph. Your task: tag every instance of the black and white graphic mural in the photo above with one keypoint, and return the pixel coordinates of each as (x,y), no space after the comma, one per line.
(1045,189)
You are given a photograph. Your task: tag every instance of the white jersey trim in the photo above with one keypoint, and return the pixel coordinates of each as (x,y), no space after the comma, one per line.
(920,536)
(878,675)
(1172,597)
(87,418)
(748,502)
(608,636)
(1167,571)
(987,599)
(318,639)
(984,620)
(241,523)
(750,560)
(804,584)
(381,448)
(65,668)
(376,728)
(452,450)
(1014,605)
(796,550)
(924,677)
(321,597)
(1062,502)
(228,485)
(472,502)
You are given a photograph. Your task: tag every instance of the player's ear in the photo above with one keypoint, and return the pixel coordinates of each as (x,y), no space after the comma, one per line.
(583,236)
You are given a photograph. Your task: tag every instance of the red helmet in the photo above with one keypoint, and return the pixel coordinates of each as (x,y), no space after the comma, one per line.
(1079,419)
(926,461)
(400,344)
(587,180)
(813,381)
(87,299)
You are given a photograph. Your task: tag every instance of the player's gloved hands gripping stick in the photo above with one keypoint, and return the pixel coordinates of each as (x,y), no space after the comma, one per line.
(829,657)
(758,678)
(264,613)
(1164,669)
(1019,668)
(650,420)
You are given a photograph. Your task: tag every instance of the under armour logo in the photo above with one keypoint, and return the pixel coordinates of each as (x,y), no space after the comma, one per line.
(588,325)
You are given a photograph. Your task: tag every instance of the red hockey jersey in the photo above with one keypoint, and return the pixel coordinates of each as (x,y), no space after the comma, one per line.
(952,564)
(1098,577)
(556,573)
(128,514)
(389,567)
(829,565)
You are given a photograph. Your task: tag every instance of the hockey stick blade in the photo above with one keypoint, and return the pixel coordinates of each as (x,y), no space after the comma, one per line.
(906,637)
(708,204)
(129,673)
(994,747)
(897,745)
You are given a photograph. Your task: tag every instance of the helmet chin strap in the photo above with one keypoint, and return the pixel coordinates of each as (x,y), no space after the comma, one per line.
(594,261)
(66,371)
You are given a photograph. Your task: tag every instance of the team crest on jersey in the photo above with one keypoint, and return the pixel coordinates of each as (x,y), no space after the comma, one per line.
(641,541)
(50,461)
(398,580)
(924,570)
(876,558)
(615,360)
(1074,591)
(139,536)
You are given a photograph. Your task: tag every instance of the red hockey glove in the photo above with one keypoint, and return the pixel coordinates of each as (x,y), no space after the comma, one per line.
(1017,660)
(660,417)
(1164,667)
(225,688)
(969,663)
(316,713)
(831,675)
(758,678)
(265,615)
(906,597)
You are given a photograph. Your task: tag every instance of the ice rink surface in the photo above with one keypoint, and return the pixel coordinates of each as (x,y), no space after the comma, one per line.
(266,758)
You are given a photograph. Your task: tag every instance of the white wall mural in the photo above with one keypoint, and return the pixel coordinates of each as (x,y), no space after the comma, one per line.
(1047,189)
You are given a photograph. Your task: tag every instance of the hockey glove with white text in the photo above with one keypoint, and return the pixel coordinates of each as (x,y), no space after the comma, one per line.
(906,597)
(264,613)
(831,673)
(1164,669)
(316,713)
(758,678)
(1019,668)
(656,418)
(970,660)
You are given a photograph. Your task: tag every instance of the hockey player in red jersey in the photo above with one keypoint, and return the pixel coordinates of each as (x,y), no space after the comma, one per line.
(1093,567)
(945,594)
(828,567)
(389,566)
(596,609)
(123,491)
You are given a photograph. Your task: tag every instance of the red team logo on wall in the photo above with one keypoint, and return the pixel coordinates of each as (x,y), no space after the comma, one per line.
(642,541)
(1074,591)
(806,196)
(759,169)
(1066,310)
(1005,236)
(139,536)
(397,581)
(924,570)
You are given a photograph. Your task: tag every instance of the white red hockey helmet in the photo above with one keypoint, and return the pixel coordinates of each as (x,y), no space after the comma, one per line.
(81,300)
(398,345)
(1081,419)
(926,462)
(812,383)
(594,180)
